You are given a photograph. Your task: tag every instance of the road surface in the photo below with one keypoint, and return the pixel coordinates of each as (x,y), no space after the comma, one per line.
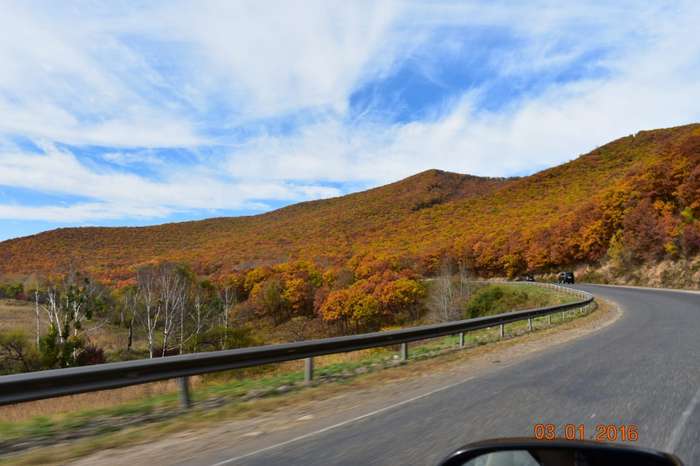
(644,370)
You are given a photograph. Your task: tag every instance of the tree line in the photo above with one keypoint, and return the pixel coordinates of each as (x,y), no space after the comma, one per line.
(167,309)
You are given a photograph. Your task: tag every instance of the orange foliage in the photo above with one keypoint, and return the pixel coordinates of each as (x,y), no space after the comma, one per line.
(374,301)
(643,190)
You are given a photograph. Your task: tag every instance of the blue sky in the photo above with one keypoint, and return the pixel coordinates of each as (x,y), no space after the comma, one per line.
(136,113)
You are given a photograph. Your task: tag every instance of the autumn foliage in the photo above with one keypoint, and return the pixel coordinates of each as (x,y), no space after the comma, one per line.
(355,258)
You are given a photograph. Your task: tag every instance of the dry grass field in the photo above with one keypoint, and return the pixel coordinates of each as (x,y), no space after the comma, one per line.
(21,315)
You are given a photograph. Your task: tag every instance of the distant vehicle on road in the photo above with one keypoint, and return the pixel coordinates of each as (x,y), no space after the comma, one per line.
(525,278)
(565,277)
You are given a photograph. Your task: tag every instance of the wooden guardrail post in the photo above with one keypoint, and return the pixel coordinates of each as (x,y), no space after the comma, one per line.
(461,339)
(404,351)
(185,398)
(502,331)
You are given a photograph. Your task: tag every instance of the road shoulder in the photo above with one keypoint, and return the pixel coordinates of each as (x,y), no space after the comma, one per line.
(311,411)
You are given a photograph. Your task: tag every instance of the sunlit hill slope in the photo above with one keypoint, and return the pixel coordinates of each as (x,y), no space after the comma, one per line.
(635,199)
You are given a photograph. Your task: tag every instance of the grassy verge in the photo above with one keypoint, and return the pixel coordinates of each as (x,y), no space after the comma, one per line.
(498,298)
(201,418)
(423,359)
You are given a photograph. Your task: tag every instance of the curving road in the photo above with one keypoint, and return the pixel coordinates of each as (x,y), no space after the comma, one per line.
(644,369)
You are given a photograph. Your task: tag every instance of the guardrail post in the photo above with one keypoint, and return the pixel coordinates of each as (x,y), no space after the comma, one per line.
(502,331)
(404,351)
(549,319)
(461,339)
(308,370)
(185,399)
(529,324)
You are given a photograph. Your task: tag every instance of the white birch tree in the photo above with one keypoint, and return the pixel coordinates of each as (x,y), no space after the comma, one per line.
(148,309)
(443,299)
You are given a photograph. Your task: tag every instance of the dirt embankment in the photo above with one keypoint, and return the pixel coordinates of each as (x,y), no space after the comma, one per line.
(679,274)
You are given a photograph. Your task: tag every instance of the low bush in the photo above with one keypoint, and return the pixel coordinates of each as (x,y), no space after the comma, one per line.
(17,354)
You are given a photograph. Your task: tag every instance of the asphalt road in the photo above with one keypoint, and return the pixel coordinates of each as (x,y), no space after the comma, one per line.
(644,370)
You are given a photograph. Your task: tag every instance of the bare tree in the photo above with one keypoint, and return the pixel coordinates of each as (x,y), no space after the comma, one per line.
(162,294)
(203,308)
(128,310)
(298,328)
(32,283)
(172,294)
(149,310)
(15,354)
(464,285)
(443,296)
(200,314)
(57,318)
(229,299)
(69,303)
(36,315)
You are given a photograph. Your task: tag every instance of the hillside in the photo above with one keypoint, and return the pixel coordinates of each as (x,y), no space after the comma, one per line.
(632,200)
(325,230)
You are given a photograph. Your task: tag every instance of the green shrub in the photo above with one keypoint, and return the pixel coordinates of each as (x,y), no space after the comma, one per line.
(495,299)
(220,338)
(17,353)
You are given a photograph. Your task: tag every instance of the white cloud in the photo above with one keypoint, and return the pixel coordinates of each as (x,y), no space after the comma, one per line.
(282,56)
(80,212)
(65,80)
(117,194)
(151,76)
(190,74)
(651,83)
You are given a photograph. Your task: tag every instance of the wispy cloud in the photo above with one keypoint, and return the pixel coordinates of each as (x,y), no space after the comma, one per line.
(154,112)
(119,194)
(68,78)
(648,82)
(127,159)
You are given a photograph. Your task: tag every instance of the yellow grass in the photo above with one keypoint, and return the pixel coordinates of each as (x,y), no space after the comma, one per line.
(111,398)
(94,400)
(20,315)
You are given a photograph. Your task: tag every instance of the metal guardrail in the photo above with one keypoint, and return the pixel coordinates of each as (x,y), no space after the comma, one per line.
(60,382)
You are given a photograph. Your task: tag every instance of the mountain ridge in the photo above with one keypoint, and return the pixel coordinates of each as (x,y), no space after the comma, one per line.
(562,215)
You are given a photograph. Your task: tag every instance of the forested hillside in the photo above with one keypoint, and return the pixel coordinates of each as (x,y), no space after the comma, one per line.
(635,200)
(354,263)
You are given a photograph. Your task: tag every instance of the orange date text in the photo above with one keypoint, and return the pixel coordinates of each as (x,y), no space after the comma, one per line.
(602,432)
